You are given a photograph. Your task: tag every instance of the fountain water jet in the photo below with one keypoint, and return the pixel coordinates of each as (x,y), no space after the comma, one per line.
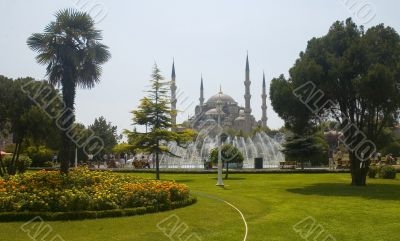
(194,156)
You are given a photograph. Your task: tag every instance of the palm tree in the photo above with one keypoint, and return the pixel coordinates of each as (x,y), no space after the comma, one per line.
(71,50)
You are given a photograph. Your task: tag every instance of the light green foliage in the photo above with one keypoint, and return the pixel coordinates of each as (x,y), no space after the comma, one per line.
(41,156)
(123,148)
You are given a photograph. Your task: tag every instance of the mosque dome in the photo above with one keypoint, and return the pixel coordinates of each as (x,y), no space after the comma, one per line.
(224,98)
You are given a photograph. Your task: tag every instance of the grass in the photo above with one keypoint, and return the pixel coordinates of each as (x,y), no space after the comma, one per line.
(271,203)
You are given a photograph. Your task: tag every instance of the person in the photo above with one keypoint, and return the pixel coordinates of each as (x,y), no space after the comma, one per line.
(55,158)
(339,157)
(389,159)
(142,162)
(121,161)
(150,161)
(379,156)
(330,157)
(105,159)
(208,161)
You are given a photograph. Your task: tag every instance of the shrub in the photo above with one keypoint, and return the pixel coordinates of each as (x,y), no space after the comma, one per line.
(387,172)
(77,215)
(21,165)
(393,148)
(41,156)
(373,170)
(229,154)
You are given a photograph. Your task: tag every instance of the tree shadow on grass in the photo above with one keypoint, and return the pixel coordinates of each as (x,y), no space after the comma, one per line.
(371,191)
(229,178)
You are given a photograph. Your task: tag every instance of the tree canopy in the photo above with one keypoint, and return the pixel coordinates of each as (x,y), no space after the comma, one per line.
(154,112)
(349,75)
(229,154)
(23,117)
(106,132)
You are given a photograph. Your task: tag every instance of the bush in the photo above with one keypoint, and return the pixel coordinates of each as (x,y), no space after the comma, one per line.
(41,156)
(373,170)
(21,165)
(305,148)
(387,172)
(77,215)
(229,154)
(85,190)
(393,148)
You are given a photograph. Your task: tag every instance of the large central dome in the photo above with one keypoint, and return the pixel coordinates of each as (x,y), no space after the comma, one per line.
(224,98)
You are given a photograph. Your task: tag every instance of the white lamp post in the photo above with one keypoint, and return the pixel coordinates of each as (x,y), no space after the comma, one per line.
(219,183)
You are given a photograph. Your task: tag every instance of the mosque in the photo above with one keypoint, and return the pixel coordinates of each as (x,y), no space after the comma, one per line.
(231,114)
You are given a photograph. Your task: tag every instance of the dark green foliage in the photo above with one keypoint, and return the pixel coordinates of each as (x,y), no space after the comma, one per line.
(387,172)
(306,148)
(392,148)
(296,115)
(79,215)
(372,171)
(21,164)
(107,133)
(357,72)
(23,117)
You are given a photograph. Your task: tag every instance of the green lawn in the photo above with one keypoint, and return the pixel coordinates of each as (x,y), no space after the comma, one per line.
(271,203)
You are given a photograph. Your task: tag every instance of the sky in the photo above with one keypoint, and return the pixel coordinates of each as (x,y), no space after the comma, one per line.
(208,37)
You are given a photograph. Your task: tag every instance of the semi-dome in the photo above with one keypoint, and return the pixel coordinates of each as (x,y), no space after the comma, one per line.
(214,112)
(224,98)
(240,118)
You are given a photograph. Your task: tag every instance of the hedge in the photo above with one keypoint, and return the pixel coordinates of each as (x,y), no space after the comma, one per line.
(79,215)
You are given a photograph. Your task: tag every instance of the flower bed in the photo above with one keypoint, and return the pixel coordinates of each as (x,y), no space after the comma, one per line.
(85,190)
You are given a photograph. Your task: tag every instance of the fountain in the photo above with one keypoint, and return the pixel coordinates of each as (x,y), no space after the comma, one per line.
(194,155)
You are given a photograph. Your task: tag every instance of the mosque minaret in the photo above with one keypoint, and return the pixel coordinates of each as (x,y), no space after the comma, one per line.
(232,115)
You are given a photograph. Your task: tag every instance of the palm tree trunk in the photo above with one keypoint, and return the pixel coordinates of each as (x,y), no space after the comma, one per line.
(67,120)
(64,154)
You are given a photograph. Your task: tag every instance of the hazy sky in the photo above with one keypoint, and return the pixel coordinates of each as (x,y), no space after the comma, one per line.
(207,36)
